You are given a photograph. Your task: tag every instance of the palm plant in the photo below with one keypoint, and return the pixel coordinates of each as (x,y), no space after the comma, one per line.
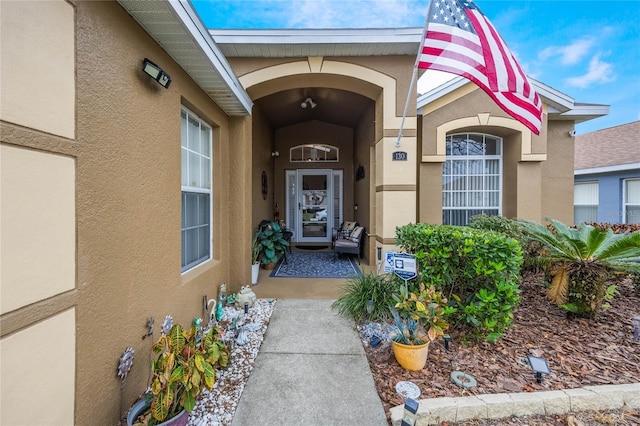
(581,260)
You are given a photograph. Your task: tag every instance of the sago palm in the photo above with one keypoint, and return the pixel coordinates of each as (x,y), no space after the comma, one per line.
(581,259)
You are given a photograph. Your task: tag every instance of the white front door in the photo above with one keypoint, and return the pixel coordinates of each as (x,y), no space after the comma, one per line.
(314,203)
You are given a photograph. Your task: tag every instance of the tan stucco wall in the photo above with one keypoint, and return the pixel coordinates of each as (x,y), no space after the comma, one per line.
(128,211)
(262,146)
(38,384)
(38,241)
(38,219)
(38,96)
(364,189)
(557,173)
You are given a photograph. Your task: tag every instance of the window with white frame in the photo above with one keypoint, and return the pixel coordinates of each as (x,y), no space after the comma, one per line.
(315,153)
(631,201)
(585,202)
(471,177)
(196,190)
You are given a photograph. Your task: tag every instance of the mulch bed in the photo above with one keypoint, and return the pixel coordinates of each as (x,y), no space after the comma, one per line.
(579,352)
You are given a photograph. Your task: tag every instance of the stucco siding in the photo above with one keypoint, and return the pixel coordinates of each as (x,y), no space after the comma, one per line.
(38,242)
(38,96)
(38,384)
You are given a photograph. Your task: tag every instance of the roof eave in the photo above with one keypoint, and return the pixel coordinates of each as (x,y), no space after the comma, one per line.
(278,43)
(219,81)
(560,105)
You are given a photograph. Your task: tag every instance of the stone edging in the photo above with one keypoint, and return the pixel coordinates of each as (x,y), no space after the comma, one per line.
(496,406)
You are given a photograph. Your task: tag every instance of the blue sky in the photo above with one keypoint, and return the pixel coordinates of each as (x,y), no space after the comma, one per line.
(589,50)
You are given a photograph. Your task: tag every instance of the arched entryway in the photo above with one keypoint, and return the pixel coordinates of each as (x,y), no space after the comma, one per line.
(315,135)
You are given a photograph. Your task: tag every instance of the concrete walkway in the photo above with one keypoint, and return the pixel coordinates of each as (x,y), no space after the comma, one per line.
(311,370)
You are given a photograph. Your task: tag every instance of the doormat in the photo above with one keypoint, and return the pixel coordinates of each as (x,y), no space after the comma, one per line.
(316,265)
(312,247)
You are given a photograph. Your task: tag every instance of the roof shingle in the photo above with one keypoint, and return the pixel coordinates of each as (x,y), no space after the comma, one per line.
(608,147)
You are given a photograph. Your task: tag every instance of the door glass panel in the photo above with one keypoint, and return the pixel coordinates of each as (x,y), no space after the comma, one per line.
(315,206)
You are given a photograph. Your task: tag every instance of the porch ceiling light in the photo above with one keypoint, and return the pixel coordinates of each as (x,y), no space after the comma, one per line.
(308,102)
(156,73)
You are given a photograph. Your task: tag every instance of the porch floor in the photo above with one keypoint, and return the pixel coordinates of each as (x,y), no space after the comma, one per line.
(301,288)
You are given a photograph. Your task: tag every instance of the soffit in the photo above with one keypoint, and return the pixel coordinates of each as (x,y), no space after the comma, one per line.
(335,106)
(178,29)
(297,43)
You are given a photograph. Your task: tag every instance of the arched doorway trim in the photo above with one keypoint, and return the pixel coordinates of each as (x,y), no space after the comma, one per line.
(315,65)
(483,119)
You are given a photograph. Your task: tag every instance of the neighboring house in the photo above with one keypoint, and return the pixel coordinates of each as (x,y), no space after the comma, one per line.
(123,200)
(607,175)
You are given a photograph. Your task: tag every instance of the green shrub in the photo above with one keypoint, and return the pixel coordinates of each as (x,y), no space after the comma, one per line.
(478,269)
(583,259)
(531,249)
(357,291)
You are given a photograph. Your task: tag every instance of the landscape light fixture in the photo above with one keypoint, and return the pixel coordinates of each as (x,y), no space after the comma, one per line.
(636,327)
(156,73)
(410,412)
(308,102)
(446,339)
(539,366)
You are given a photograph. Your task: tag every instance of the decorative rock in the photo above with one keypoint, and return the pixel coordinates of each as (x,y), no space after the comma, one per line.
(218,406)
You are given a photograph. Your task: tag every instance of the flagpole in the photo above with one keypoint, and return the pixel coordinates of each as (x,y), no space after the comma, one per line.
(415,72)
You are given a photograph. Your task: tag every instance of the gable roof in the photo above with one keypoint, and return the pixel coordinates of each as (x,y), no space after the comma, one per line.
(614,148)
(559,105)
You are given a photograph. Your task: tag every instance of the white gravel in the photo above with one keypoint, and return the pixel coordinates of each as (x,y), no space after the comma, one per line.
(218,406)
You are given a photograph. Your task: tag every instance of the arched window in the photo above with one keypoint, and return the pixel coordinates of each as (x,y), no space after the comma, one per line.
(314,153)
(471,177)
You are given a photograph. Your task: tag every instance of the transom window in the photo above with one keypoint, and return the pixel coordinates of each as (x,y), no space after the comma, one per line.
(471,177)
(196,190)
(632,201)
(314,153)
(585,202)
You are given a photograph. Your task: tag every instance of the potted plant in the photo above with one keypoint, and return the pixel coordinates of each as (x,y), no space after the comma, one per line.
(255,258)
(272,243)
(420,317)
(185,365)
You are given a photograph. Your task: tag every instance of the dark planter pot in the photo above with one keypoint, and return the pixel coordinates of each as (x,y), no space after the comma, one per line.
(142,405)
(269,266)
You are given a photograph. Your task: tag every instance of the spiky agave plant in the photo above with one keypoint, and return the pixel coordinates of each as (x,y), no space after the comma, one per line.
(581,259)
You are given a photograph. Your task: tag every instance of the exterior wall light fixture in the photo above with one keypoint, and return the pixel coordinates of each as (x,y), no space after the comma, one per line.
(156,73)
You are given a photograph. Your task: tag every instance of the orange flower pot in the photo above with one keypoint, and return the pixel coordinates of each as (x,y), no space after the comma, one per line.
(410,357)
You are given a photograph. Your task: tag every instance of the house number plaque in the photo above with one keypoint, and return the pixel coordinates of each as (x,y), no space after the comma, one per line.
(399,156)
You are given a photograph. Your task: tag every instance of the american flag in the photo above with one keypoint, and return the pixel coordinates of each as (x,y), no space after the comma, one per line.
(459,39)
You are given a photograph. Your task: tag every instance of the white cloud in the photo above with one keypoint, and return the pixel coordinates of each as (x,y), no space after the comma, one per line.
(570,54)
(599,72)
(358,13)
